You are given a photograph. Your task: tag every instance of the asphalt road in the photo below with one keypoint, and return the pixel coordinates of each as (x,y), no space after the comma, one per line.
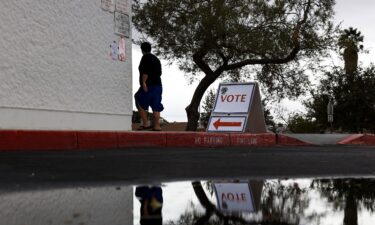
(134,166)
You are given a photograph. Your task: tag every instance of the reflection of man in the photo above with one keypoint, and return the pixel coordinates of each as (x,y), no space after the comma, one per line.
(151,199)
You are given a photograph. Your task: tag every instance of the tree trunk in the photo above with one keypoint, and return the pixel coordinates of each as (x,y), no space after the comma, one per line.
(192,109)
(351,60)
(350,211)
(204,219)
(193,117)
(205,202)
(202,197)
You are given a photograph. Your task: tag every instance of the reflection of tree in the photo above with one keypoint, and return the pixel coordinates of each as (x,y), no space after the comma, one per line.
(348,195)
(280,205)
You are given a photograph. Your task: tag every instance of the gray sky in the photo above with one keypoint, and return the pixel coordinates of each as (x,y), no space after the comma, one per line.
(359,14)
(177,93)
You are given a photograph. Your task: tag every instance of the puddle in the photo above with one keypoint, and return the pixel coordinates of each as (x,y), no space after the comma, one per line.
(213,202)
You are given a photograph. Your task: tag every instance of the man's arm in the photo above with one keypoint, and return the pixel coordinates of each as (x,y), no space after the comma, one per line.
(144,85)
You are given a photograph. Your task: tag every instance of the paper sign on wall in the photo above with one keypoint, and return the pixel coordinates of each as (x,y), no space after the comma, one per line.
(114,50)
(122,24)
(118,50)
(121,50)
(108,5)
(122,6)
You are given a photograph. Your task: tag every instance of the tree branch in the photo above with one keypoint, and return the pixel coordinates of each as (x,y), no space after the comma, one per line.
(198,59)
(221,68)
(292,55)
(287,59)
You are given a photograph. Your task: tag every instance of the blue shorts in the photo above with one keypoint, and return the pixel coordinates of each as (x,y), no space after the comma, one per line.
(151,98)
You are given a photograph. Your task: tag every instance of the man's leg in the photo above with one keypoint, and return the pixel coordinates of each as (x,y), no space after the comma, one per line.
(156,120)
(156,106)
(140,97)
(143,115)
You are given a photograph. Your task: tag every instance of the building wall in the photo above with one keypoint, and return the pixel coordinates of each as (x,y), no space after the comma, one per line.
(55,69)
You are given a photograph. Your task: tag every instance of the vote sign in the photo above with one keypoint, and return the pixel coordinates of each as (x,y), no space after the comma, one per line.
(234,98)
(234,197)
(238,108)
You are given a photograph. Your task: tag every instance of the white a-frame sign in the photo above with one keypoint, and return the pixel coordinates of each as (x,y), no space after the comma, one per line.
(238,108)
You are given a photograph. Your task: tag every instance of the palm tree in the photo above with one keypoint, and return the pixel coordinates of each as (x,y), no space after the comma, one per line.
(350,41)
(349,195)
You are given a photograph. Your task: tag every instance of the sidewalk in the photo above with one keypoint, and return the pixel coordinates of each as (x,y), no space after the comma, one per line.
(87,140)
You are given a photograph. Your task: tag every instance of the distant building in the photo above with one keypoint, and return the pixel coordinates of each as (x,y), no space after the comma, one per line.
(59,68)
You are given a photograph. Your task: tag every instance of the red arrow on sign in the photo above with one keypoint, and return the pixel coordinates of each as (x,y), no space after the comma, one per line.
(218,124)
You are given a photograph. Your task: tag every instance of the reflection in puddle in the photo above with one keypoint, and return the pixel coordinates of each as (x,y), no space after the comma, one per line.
(65,206)
(232,202)
(151,200)
(325,201)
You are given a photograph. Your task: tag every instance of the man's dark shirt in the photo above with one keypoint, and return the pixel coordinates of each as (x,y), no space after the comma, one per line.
(151,66)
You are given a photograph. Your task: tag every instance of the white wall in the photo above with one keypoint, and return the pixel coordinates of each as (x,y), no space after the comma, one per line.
(55,69)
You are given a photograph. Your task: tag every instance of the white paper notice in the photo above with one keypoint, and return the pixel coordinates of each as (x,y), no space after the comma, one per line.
(108,5)
(114,50)
(122,24)
(121,50)
(122,6)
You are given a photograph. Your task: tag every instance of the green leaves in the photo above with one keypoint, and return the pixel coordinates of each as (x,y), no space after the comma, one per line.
(239,29)
(353,97)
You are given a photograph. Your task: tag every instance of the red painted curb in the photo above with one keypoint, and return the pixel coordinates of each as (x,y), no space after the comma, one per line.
(289,141)
(142,139)
(9,140)
(37,140)
(359,139)
(350,139)
(89,140)
(197,139)
(238,140)
(369,139)
(73,140)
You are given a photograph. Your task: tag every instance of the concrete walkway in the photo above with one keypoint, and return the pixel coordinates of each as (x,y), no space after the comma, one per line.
(320,139)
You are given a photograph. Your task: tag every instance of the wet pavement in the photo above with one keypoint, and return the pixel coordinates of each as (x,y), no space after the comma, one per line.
(230,201)
(294,185)
(173,164)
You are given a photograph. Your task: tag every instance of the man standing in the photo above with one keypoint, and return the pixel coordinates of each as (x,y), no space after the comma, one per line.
(150,91)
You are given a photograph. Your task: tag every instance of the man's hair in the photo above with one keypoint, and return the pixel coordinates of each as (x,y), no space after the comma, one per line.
(146,47)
